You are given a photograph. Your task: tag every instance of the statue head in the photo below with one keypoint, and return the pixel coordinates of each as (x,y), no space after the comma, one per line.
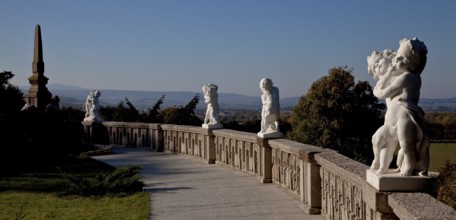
(210,88)
(96,93)
(55,99)
(411,55)
(266,84)
(378,62)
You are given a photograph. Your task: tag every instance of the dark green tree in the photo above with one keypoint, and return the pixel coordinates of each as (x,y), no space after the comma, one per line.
(32,136)
(441,125)
(70,113)
(182,115)
(124,111)
(10,96)
(336,113)
(444,186)
(153,114)
(11,129)
(133,112)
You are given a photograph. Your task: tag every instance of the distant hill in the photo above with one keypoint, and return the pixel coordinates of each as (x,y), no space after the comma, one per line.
(439,105)
(76,96)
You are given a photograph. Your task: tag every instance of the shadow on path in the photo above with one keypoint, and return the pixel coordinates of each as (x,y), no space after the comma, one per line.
(186,187)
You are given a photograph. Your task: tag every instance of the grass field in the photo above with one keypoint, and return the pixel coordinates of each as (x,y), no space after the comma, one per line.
(440,152)
(39,193)
(33,205)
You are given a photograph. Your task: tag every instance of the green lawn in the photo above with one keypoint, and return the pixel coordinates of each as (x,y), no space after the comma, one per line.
(40,193)
(33,205)
(440,152)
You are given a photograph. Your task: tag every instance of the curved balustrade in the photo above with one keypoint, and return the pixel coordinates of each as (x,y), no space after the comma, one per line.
(325,182)
(189,140)
(237,149)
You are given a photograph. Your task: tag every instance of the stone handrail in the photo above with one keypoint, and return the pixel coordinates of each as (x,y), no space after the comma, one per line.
(325,181)
(189,140)
(125,134)
(237,149)
(345,194)
(295,169)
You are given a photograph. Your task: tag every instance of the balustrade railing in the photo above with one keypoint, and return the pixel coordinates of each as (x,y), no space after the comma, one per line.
(237,149)
(325,181)
(189,140)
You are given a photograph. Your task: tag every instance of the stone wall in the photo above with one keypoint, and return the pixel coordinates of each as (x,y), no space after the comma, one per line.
(189,140)
(125,134)
(294,168)
(325,181)
(345,194)
(237,149)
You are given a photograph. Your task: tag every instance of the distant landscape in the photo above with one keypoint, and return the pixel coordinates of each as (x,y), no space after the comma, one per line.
(76,96)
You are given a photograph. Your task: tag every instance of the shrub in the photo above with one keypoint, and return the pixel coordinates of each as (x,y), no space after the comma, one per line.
(120,182)
(444,187)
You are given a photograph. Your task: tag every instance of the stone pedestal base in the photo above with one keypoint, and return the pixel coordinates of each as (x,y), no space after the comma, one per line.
(270,135)
(212,126)
(396,182)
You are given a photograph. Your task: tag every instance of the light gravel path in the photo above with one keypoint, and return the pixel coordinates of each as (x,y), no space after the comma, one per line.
(185,187)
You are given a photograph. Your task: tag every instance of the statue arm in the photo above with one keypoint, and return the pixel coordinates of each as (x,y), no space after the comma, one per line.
(381,83)
(393,89)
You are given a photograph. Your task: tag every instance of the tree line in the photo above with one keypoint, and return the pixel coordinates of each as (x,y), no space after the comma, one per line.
(336,113)
(127,112)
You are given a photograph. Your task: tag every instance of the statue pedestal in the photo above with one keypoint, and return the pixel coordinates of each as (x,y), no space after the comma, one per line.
(270,135)
(396,182)
(212,126)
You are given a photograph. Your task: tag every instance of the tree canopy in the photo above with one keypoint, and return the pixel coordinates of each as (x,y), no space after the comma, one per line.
(126,112)
(153,114)
(10,95)
(182,115)
(336,113)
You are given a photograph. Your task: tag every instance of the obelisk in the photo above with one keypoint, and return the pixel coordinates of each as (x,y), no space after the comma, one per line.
(38,95)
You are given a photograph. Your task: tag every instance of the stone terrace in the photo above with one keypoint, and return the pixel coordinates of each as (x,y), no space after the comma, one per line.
(184,187)
(206,174)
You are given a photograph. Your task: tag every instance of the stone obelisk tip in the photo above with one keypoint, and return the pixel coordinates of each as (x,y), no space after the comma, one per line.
(38,95)
(38,63)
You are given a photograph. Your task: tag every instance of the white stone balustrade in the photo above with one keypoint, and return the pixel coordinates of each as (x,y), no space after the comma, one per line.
(189,140)
(125,134)
(238,149)
(295,169)
(323,180)
(345,194)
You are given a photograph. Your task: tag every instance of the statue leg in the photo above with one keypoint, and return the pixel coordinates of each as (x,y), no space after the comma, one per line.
(276,125)
(407,134)
(399,160)
(207,118)
(214,117)
(264,125)
(386,156)
(377,143)
(422,165)
(386,143)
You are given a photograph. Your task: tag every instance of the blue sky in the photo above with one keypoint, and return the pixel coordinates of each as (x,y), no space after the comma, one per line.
(180,45)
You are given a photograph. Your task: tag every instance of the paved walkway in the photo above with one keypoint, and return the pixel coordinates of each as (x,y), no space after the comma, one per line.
(185,187)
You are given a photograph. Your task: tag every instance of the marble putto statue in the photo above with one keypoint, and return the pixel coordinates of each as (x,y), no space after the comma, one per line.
(92,107)
(399,82)
(211,119)
(270,113)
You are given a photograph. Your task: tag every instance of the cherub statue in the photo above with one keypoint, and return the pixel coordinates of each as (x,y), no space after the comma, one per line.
(211,99)
(384,140)
(93,107)
(53,107)
(89,103)
(404,119)
(270,113)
